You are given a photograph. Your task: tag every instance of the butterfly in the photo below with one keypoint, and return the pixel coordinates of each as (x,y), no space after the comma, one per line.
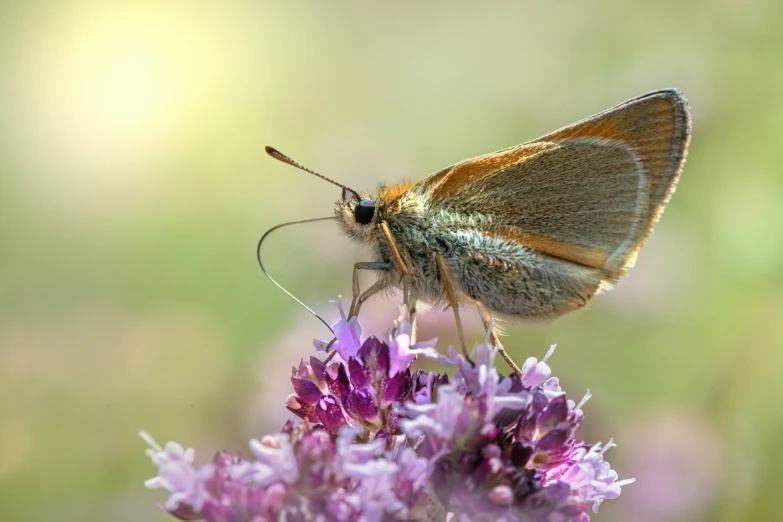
(529,232)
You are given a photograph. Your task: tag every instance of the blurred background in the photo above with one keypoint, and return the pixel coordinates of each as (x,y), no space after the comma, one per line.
(134,186)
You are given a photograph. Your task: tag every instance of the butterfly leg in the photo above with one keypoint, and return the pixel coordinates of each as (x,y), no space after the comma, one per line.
(395,253)
(360,297)
(451,297)
(489,326)
(409,297)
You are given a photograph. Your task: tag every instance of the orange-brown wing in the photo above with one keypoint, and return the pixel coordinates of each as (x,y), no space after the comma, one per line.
(588,193)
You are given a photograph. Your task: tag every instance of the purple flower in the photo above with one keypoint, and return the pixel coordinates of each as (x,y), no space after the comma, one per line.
(535,373)
(275,463)
(543,470)
(377,442)
(177,475)
(300,474)
(591,478)
(359,387)
(347,333)
(402,352)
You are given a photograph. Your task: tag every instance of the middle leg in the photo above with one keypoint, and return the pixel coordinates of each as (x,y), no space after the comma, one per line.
(451,297)
(410,299)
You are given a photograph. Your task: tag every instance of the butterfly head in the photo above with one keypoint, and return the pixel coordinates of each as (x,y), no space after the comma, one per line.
(357,215)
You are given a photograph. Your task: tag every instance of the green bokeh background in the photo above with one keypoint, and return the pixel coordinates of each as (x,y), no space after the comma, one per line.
(134,185)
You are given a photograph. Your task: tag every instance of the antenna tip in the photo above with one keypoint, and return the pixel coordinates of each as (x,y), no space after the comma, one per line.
(271,150)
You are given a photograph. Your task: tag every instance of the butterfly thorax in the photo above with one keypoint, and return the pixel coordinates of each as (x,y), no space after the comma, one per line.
(408,218)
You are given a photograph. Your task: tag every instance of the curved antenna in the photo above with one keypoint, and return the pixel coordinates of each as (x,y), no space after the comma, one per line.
(278,285)
(285,159)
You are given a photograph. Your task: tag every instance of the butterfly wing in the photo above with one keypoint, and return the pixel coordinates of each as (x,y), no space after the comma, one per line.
(588,194)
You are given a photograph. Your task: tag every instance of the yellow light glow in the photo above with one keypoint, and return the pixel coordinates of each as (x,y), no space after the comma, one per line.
(125,81)
(111,92)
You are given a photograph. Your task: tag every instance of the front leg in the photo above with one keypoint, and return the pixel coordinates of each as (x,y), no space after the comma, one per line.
(409,295)
(393,250)
(358,297)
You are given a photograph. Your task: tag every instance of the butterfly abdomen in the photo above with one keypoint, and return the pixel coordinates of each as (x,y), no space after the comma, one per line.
(512,280)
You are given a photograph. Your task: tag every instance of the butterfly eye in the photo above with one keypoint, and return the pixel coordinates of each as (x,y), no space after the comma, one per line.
(364,211)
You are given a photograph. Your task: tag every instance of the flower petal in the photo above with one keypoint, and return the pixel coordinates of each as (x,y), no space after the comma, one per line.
(360,404)
(359,372)
(397,388)
(347,334)
(318,367)
(330,414)
(339,385)
(306,390)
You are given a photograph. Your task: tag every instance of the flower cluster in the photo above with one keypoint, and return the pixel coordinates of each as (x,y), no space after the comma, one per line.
(359,388)
(379,442)
(301,474)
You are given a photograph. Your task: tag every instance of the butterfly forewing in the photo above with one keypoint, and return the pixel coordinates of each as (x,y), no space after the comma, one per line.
(588,194)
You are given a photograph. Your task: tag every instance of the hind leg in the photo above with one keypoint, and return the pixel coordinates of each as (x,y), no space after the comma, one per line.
(486,318)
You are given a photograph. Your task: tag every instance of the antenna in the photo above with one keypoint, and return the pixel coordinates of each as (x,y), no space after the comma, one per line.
(285,159)
(261,264)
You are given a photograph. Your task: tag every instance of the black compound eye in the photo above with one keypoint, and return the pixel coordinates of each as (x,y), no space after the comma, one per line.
(364,211)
